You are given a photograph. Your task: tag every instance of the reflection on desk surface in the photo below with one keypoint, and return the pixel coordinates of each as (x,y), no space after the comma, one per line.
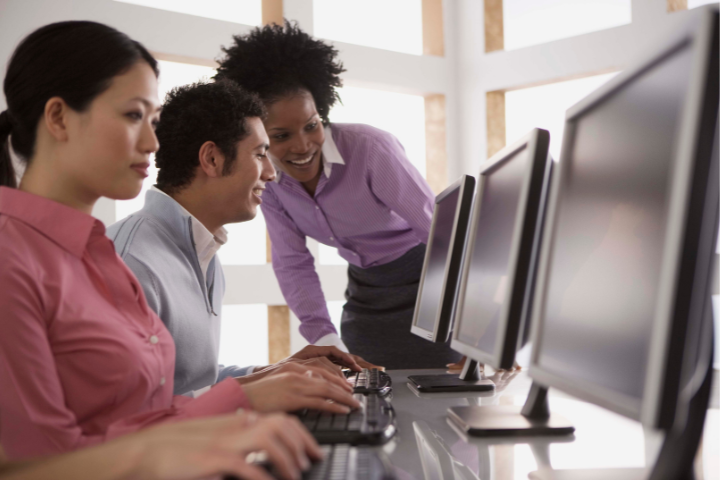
(427,447)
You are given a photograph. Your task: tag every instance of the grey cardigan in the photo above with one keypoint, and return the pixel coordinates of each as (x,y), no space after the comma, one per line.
(157,245)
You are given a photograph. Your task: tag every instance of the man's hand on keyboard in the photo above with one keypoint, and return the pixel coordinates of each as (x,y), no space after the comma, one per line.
(333,354)
(318,367)
(289,392)
(365,364)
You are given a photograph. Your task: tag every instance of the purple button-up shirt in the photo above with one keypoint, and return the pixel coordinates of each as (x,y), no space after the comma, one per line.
(371,204)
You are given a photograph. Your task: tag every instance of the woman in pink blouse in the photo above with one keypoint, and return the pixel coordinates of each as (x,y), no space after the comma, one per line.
(82,357)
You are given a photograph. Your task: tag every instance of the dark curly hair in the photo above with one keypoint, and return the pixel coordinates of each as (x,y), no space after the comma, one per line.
(197,113)
(275,61)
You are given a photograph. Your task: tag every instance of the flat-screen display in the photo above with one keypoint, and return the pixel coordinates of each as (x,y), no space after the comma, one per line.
(486,285)
(611,216)
(439,245)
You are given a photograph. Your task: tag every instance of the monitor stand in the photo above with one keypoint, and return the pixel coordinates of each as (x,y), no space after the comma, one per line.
(468,381)
(534,418)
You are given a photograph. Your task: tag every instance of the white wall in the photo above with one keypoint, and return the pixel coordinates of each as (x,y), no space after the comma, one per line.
(583,55)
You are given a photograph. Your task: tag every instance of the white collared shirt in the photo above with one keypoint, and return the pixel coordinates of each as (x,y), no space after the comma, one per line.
(330,155)
(206,244)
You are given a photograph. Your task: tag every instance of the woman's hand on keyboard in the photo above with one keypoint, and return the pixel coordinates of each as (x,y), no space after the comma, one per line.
(202,448)
(289,392)
(288,445)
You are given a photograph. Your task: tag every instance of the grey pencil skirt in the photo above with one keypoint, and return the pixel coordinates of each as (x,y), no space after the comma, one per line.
(378,314)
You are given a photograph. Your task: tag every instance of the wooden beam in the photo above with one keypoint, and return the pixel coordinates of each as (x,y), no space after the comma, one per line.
(432,28)
(495,111)
(494,30)
(272,12)
(676,5)
(278,315)
(278,332)
(436,143)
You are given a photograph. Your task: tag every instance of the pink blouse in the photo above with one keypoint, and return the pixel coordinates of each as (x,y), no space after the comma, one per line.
(82,357)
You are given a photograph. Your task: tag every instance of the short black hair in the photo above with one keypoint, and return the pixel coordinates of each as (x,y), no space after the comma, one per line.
(276,60)
(197,113)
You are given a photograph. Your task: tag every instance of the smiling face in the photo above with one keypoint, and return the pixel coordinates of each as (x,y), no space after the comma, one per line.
(296,136)
(241,190)
(110,143)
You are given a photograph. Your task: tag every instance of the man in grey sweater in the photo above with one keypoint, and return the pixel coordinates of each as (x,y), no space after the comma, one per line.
(212,171)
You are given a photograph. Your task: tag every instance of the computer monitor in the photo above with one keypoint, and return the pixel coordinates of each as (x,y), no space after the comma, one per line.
(496,290)
(499,268)
(622,310)
(437,293)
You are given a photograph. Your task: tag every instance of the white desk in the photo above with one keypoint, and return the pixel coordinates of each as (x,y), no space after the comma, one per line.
(602,439)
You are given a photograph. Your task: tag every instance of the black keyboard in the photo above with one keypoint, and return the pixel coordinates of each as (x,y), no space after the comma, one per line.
(370,381)
(343,462)
(372,424)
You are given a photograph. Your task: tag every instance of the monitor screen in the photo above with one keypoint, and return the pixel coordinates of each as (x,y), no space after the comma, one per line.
(487,278)
(603,269)
(431,290)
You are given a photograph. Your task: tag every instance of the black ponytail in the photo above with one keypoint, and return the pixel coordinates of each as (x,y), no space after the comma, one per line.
(7,175)
(75,61)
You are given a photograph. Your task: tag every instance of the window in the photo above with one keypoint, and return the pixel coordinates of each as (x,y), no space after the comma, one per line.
(247,12)
(335,308)
(530,22)
(244,335)
(545,106)
(395,25)
(698,3)
(247,243)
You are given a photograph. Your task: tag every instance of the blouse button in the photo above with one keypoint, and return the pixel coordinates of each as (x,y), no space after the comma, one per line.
(162,381)
(331,238)
(317,208)
(154,339)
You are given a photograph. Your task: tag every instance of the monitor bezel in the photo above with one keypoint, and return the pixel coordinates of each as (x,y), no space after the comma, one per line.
(440,333)
(646,409)
(537,143)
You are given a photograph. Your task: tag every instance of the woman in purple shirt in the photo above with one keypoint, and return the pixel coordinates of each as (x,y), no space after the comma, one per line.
(349,186)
